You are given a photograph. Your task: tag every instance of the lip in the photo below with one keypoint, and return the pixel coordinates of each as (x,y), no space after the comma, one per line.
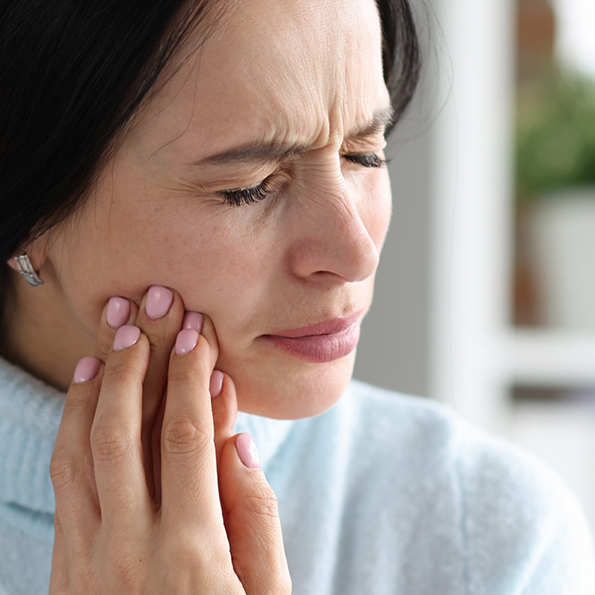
(322,342)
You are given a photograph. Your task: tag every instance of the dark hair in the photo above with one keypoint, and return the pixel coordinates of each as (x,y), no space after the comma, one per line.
(74,72)
(400,53)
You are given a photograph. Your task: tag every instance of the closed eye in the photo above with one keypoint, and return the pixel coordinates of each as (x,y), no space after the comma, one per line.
(248,195)
(366,159)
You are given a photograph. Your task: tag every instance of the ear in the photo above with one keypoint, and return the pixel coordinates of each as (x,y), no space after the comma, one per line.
(35,250)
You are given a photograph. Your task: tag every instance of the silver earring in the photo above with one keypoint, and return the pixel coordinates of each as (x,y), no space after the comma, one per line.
(25,267)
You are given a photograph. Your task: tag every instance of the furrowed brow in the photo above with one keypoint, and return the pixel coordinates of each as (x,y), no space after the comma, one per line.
(255,153)
(273,151)
(380,121)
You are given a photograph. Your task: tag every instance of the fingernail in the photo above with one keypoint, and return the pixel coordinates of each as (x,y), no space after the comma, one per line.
(216,383)
(186,341)
(86,370)
(159,301)
(118,311)
(126,336)
(247,451)
(193,320)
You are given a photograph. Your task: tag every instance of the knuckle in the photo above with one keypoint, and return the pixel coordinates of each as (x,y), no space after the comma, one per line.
(82,576)
(128,365)
(202,553)
(109,443)
(63,472)
(121,371)
(184,435)
(127,573)
(84,582)
(184,375)
(75,401)
(262,502)
(176,545)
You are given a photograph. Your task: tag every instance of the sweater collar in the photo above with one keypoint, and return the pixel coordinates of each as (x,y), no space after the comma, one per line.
(30,413)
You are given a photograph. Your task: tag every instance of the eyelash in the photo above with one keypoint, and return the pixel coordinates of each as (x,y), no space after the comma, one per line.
(253,194)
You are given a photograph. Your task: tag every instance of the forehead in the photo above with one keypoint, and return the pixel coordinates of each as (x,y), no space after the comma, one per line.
(287,70)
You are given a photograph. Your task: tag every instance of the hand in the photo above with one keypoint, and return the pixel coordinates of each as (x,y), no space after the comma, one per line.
(153,493)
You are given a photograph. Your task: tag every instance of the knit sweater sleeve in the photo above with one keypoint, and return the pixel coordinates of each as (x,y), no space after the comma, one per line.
(524,531)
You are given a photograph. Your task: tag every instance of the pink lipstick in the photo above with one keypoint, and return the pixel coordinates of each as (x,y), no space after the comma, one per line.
(322,342)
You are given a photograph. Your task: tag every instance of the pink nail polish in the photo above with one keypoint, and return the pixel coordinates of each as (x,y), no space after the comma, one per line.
(186,341)
(86,370)
(193,320)
(216,383)
(118,311)
(159,300)
(247,451)
(126,336)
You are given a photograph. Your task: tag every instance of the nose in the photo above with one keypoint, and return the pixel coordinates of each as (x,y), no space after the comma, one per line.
(334,241)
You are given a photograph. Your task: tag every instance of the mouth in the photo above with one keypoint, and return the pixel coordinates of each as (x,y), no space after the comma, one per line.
(322,342)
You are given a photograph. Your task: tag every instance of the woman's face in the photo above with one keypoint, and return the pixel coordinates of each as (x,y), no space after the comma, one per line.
(286,91)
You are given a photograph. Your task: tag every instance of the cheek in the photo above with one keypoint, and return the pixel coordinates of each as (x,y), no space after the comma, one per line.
(218,272)
(121,247)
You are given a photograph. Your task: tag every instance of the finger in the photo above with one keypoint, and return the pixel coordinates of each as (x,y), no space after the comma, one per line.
(252,520)
(190,498)
(71,462)
(117,312)
(208,332)
(59,574)
(191,320)
(116,436)
(160,319)
(225,408)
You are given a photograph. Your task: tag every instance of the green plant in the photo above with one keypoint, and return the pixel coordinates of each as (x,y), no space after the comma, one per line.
(555,134)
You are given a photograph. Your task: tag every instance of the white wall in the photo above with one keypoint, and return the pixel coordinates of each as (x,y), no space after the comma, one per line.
(394,346)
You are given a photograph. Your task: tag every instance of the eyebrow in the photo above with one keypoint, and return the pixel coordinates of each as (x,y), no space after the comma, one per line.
(267,152)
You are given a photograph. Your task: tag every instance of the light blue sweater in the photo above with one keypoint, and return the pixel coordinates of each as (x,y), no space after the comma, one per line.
(383,494)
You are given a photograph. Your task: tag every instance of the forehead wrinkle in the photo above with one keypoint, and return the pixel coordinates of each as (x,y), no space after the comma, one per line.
(263,152)
(290,92)
(344,48)
(305,46)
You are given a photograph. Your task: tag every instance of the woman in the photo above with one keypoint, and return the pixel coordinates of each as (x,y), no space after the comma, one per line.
(194,199)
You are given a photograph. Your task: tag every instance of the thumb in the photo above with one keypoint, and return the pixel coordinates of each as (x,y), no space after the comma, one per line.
(252,520)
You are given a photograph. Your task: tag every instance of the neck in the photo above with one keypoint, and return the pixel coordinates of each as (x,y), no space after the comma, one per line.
(39,333)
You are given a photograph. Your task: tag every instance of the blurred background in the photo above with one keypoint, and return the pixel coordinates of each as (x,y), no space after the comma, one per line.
(485,297)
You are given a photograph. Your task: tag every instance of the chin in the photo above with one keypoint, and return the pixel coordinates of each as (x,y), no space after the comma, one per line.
(291,388)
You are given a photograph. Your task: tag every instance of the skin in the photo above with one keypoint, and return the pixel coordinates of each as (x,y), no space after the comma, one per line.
(153,493)
(206,522)
(307,253)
